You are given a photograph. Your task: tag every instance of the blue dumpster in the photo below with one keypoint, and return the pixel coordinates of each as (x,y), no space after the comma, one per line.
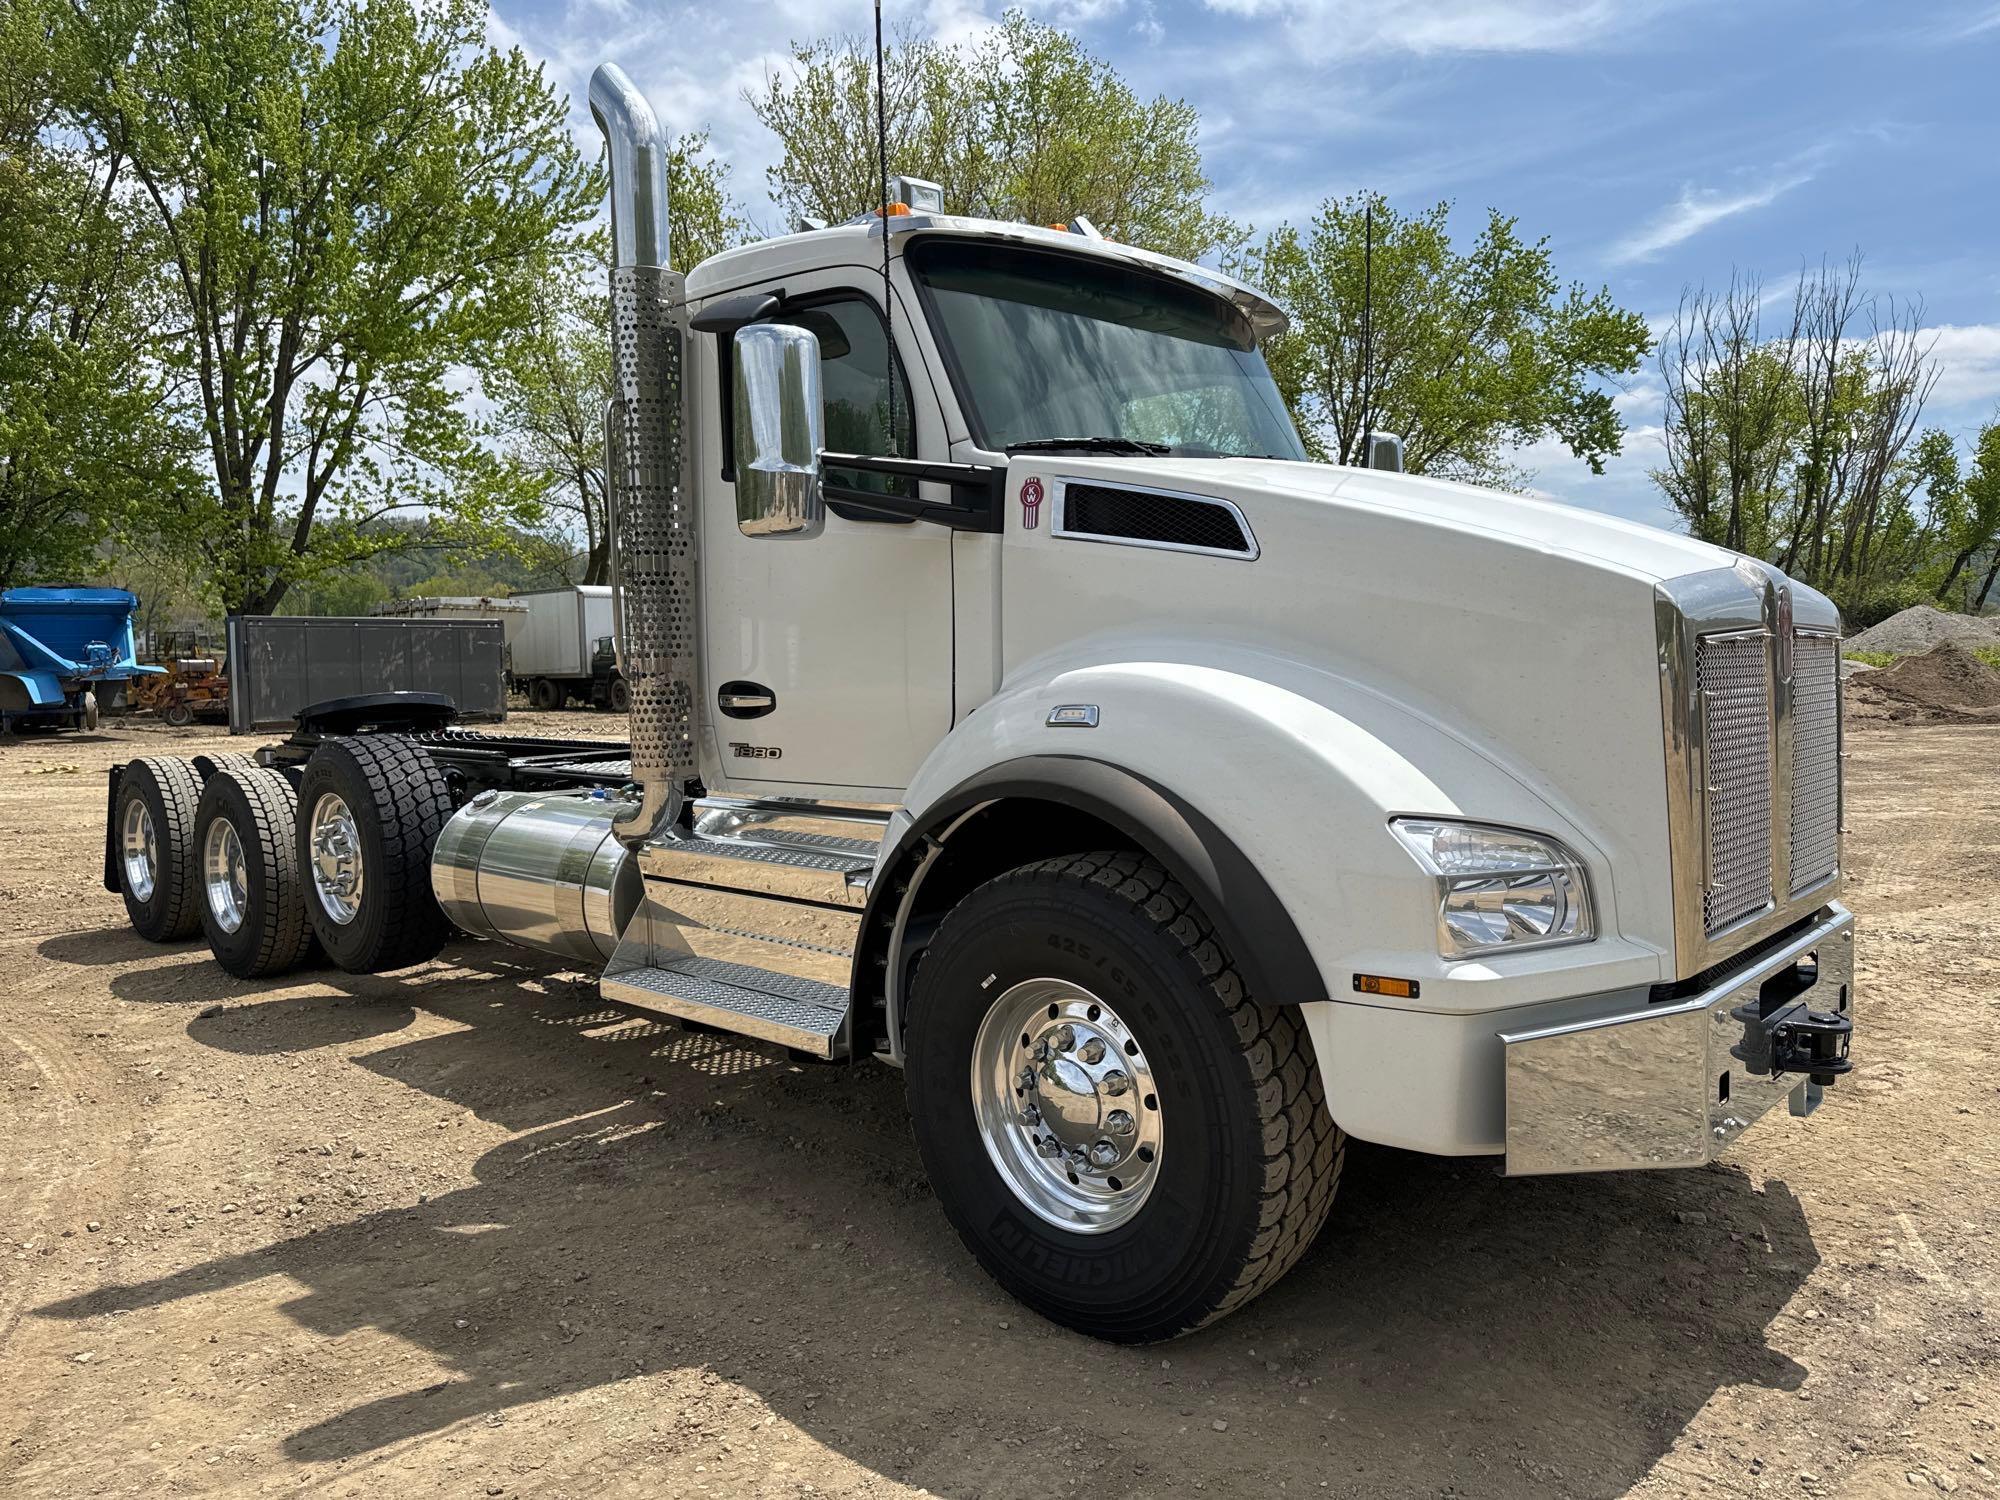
(62,651)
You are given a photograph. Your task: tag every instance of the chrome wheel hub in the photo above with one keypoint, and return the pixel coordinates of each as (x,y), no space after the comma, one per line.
(225,877)
(1066,1105)
(140,849)
(335,841)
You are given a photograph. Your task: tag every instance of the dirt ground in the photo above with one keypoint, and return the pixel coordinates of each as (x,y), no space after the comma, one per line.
(467,1231)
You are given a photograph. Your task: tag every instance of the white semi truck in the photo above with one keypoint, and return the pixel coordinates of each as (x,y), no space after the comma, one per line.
(1025,712)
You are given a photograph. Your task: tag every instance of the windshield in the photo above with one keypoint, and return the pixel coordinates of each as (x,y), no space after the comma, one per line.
(1050,346)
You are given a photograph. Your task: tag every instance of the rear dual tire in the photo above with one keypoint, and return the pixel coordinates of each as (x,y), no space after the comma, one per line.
(155,820)
(252,905)
(370,810)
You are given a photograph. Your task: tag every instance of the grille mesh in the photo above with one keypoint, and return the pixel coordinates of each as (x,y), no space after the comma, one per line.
(1815,828)
(1733,678)
(1133,515)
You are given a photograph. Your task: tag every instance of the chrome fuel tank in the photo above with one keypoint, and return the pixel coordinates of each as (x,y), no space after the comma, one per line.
(539,869)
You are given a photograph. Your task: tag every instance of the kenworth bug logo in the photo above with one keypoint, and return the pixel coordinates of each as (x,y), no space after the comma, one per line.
(1031,502)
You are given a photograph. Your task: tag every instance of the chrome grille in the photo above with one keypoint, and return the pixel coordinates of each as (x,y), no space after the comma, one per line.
(1732,677)
(1815,831)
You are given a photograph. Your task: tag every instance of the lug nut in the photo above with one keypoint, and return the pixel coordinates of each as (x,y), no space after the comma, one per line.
(1092,1051)
(1028,1079)
(1114,1083)
(1030,1116)
(1103,1154)
(1048,1146)
(1042,1050)
(1078,1157)
(1065,1038)
(1118,1120)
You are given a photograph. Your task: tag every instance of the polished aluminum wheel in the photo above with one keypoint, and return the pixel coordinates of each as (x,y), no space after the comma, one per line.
(139,846)
(225,876)
(1066,1105)
(336,858)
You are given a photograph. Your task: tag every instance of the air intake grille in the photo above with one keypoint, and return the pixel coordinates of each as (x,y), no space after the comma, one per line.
(1733,677)
(1815,761)
(1139,516)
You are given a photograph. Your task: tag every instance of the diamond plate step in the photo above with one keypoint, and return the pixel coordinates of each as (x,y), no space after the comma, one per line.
(800,1013)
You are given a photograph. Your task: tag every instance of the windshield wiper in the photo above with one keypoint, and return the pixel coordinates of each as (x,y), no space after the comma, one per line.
(1130,447)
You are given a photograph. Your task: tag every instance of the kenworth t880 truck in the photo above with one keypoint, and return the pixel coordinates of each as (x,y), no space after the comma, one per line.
(1013,703)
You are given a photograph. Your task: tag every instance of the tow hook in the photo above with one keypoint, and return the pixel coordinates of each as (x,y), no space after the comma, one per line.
(1794,1039)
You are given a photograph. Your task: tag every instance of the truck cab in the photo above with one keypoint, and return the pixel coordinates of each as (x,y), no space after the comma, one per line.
(1013,703)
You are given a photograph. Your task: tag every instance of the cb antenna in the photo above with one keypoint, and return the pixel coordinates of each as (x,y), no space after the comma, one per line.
(1367,333)
(882,161)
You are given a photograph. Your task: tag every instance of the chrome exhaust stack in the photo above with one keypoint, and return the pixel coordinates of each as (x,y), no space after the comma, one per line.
(651,508)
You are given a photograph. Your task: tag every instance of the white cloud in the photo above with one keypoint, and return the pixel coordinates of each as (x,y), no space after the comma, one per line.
(1976,22)
(1968,361)
(1697,209)
(1439,26)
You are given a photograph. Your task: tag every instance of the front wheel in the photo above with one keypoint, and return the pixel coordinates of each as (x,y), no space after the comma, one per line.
(1127,1141)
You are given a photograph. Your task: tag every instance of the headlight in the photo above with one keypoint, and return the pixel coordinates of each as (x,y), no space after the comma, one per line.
(1498,891)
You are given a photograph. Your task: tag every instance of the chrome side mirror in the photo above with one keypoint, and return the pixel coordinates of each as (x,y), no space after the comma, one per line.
(1385,451)
(779,415)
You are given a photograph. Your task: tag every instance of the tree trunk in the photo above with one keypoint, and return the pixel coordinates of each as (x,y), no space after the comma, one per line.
(1987,587)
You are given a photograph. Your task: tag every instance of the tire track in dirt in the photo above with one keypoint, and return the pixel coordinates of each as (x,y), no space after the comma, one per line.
(58,1166)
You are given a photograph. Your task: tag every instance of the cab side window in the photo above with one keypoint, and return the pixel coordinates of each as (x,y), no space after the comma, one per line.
(856,381)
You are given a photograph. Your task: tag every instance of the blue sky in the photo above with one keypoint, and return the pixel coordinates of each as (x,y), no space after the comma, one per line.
(1657,143)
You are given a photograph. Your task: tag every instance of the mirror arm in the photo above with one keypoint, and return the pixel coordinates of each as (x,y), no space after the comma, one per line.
(977,490)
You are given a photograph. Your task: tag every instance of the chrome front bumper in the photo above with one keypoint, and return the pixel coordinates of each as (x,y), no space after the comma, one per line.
(1662,1087)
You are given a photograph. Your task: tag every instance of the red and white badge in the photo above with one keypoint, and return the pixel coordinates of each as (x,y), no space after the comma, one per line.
(1031,502)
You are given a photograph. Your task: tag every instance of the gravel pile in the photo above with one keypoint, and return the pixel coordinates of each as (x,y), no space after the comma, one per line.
(1921,627)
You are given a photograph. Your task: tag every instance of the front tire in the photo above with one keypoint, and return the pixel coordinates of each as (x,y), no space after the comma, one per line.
(1127,978)
(370,808)
(544,696)
(253,907)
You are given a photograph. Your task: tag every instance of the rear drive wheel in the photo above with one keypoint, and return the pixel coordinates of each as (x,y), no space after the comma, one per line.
(620,696)
(1127,1141)
(544,695)
(253,908)
(369,813)
(157,798)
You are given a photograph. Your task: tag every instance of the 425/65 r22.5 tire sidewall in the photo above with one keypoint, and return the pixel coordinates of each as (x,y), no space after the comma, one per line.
(1249,1156)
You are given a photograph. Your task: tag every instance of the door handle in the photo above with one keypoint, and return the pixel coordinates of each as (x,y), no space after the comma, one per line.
(745,700)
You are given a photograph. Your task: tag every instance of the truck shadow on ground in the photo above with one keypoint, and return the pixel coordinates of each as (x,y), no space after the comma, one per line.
(673,1200)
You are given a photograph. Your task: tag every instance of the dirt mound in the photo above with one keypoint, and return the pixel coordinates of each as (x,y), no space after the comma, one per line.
(1947,681)
(1921,627)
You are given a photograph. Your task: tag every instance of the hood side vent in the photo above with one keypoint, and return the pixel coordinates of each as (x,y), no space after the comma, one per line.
(1135,516)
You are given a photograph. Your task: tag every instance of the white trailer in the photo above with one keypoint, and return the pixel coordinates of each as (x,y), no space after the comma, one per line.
(1026,712)
(556,647)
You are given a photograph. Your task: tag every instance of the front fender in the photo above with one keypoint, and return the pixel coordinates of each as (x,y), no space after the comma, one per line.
(1299,772)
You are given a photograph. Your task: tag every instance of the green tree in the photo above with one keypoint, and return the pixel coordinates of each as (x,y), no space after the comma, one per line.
(1474,351)
(355,198)
(1022,123)
(87,421)
(1968,507)
(1797,442)
(550,380)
